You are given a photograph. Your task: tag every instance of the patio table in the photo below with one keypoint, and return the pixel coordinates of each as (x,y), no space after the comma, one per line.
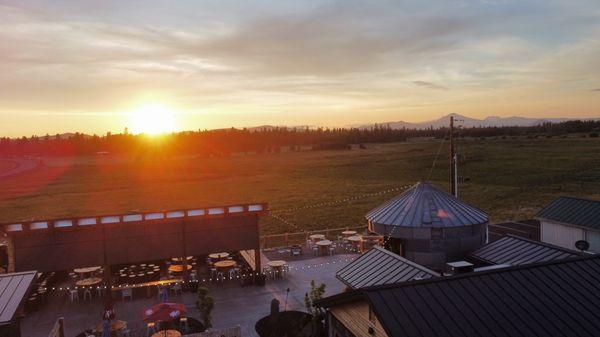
(88,282)
(277,266)
(225,264)
(180,259)
(167,333)
(324,246)
(114,326)
(356,241)
(178,268)
(86,270)
(348,233)
(316,237)
(218,256)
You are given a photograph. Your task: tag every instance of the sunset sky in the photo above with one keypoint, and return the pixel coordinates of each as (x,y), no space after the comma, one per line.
(89,66)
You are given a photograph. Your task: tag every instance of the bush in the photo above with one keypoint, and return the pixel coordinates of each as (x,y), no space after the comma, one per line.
(205,304)
(594,135)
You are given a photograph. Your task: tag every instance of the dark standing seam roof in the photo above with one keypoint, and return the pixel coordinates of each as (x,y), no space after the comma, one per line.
(558,298)
(424,205)
(380,266)
(516,250)
(576,211)
(13,289)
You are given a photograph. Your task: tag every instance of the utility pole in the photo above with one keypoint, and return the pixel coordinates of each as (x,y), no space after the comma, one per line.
(452,159)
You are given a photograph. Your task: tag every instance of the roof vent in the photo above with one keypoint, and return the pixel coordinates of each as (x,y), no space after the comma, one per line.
(459,267)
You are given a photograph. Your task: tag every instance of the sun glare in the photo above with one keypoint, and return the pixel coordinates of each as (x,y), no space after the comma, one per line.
(152,119)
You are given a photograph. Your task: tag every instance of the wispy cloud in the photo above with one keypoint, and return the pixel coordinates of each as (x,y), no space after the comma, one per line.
(430,85)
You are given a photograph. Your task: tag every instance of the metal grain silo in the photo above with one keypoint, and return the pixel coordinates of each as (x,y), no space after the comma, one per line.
(429,226)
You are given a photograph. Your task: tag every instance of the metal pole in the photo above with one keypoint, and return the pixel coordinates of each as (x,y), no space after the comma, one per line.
(452,158)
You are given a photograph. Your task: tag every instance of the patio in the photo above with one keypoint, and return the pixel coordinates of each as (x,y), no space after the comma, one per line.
(234,305)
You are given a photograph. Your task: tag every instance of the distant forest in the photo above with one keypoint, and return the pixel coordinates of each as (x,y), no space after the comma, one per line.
(227,141)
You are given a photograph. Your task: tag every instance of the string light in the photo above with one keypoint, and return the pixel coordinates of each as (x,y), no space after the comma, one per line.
(204,280)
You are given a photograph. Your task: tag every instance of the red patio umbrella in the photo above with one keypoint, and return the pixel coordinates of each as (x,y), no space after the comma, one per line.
(165,312)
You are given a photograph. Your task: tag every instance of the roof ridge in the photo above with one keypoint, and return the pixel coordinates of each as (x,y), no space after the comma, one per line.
(407,261)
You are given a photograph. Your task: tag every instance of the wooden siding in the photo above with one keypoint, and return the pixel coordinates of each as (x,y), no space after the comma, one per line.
(561,235)
(355,317)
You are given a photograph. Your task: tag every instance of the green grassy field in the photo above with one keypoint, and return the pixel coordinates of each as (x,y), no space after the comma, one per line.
(508,178)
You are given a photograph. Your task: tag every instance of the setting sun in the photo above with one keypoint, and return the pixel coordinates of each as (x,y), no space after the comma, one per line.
(152,119)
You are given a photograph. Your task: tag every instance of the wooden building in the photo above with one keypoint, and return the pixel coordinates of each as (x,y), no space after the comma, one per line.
(429,226)
(555,298)
(567,220)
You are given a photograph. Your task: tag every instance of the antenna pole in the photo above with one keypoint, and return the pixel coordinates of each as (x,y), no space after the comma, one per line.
(452,159)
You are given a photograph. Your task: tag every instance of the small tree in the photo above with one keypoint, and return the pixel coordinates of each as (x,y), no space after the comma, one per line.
(205,304)
(315,293)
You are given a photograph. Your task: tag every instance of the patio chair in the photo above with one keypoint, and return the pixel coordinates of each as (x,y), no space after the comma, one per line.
(87,293)
(150,329)
(127,293)
(315,250)
(220,276)
(73,295)
(332,250)
(176,288)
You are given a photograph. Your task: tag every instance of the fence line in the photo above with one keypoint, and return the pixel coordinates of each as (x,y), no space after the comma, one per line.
(287,239)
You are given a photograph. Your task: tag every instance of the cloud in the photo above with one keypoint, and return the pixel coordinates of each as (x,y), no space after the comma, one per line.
(597,89)
(429,85)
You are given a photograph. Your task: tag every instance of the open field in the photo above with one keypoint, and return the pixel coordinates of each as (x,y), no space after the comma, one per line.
(6,165)
(508,178)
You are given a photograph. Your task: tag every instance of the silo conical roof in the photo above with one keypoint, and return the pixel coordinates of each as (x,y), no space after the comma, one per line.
(425,205)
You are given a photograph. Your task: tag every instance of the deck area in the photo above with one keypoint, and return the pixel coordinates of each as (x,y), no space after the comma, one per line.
(234,305)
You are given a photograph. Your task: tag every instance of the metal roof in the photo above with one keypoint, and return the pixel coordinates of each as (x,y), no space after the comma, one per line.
(558,298)
(425,205)
(575,211)
(14,288)
(516,250)
(380,266)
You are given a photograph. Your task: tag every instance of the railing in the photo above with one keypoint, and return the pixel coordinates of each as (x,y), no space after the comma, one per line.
(297,238)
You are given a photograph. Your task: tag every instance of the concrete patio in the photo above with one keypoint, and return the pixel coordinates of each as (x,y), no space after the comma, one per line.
(234,305)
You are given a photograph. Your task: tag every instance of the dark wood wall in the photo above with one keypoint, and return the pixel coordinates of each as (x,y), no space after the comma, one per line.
(63,249)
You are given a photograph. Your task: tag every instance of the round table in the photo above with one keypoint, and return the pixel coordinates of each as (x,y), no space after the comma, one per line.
(316,237)
(218,256)
(277,266)
(179,259)
(356,241)
(86,270)
(178,268)
(114,326)
(348,233)
(225,264)
(88,282)
(324,246)
(167,333)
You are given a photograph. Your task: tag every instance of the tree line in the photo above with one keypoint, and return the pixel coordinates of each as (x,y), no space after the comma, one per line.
(224,142)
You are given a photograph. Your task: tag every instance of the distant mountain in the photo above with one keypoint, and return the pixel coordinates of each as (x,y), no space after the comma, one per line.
(468,122)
